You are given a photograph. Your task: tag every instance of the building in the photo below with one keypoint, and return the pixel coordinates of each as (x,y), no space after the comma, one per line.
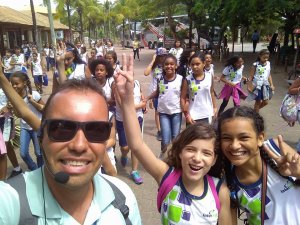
(16,27)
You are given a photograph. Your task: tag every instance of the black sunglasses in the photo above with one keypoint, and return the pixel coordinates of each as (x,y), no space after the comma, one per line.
(65,130)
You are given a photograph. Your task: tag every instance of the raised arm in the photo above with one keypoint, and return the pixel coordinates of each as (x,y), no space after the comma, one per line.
(18,104)
(124,86)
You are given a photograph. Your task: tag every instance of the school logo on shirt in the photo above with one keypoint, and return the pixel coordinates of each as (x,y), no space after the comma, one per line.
(261,70)
(287,186)
(212,213)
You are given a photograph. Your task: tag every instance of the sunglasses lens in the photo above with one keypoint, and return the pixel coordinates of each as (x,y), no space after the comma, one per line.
(97,131)
(61,130)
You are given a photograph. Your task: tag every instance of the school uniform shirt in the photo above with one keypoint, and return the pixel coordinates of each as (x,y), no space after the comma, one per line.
(36,97)
(282,200)
(107,88)
(200,105)
(155,74)
(182,208)
(233,75)
(18,59)
(210,70)
(169,95)
(177,53)
(262,73)
(99,51)
(36,68)
(6,63)
(100,212)
(78,73)
(137,99)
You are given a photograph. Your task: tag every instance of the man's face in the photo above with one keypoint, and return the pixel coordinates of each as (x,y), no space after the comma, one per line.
(77,157)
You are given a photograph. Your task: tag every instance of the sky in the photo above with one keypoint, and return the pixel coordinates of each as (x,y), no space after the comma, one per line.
(19,4)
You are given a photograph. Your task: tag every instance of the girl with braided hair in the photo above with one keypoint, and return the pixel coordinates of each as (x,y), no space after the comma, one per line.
(247,159)
(22,85)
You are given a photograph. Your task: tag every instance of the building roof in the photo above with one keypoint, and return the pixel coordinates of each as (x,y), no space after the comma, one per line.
(9,15)
(43,21)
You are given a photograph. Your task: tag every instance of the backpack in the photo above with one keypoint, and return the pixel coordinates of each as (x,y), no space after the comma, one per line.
(172,179)
(289,108)
(26,218)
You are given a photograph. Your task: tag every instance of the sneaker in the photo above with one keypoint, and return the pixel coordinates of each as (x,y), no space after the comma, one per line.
(158,136)
(124,161)
(15,173)
(136,177)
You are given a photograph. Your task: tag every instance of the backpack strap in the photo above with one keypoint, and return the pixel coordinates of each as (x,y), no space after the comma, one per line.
(26,217)
(167,186)
(119,202)
(214,191)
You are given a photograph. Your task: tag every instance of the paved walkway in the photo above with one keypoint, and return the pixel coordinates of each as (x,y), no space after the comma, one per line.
(146,193)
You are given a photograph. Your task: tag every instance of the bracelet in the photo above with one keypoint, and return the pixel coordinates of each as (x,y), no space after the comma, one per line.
(186,115)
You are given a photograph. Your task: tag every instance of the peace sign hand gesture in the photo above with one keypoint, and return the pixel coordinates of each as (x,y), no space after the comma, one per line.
(288,162)
(124,79)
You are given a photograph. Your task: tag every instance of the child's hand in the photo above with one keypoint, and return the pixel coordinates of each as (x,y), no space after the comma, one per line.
(272,88)
(151,104)
(124,78)
(29,97)
(289,161)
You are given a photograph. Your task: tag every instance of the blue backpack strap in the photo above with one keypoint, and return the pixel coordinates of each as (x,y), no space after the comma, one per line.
(119,202)
(18,183)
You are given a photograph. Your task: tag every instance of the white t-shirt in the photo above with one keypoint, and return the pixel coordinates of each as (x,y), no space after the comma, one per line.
(201,105)
(36,97)
(233,75)
(99,51)
(169,95)
(84,57)
(107,88)
(177,53)
(155,74)
(262,72)
(36,68)
(282,200)
(78,73)
(137,99)
(210,70)
(6,63)
(18,59)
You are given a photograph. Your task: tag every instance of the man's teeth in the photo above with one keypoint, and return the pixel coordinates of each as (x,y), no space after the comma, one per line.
(75,163)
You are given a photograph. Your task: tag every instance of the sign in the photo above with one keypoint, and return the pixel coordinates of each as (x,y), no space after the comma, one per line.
(59,34)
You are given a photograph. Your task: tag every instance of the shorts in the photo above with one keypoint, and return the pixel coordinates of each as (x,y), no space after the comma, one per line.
(121,131)
(52,62)
(38,79)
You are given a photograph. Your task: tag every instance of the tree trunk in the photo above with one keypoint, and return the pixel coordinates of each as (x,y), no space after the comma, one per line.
(123,33)
(69,20)
(34,28)
(191,28)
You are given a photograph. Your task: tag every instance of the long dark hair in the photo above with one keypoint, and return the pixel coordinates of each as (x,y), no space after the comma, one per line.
(71,48)
(231,61)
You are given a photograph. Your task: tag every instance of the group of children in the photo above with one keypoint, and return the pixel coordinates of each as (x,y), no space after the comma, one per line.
(190,172)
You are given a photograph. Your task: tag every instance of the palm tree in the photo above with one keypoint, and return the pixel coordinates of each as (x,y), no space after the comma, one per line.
(61,4)
(34,30)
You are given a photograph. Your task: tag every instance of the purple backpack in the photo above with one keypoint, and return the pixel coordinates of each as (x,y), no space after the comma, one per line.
(172,179)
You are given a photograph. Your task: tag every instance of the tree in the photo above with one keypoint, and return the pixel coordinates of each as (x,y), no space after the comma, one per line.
(34,30)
